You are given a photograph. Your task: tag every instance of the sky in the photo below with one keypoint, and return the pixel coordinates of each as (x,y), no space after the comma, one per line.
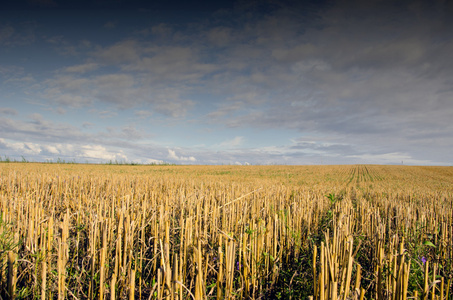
(227,82)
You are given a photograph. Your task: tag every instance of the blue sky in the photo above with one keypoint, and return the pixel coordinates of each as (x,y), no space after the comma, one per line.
(232,82)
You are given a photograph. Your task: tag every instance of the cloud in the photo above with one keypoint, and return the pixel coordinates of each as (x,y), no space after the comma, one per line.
(126,51)
(14,77)
(83,68)
(154,161)
(61,111)
(25,148)
(162,30)
(30,149)
(343,74)
(22,80)
(143,114)
(87,125)
(8,111)
(224,109)
(8,71)
(110,25)
(20,34)
(170,64)
(170,104)
(52,149)
(172,156)
(233,143)
(356,81)
(6,32)
(220,36)
(129,132)
(121,89)
(63,45)
(3,144)
(100,152)
(39,130)
(324,148)
(97,153)
(393,158)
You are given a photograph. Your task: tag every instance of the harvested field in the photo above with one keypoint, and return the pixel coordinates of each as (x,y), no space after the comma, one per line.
(71,231)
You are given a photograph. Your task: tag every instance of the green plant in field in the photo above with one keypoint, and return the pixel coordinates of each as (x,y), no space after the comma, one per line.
(8,245)
(6,238)
(332,198)
(24,293)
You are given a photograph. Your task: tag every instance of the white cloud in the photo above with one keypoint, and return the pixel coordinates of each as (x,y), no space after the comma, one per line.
(44,151)
(100,152)
(51,149)
(172,155)
(154,161)
(25,148)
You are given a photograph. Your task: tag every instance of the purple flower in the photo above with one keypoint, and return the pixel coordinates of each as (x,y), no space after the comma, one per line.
(423,259)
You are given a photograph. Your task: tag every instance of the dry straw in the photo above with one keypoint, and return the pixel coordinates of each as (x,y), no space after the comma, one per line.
(205,232)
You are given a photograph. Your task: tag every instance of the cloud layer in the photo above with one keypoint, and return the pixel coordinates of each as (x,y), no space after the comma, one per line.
(289,83)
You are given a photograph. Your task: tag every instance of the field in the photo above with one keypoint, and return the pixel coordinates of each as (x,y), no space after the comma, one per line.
(72,231)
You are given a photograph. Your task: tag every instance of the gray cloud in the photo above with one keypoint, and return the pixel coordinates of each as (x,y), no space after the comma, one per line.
(370,79)
(37,130)
(8,111)
(6,32)
(124,90)
(350,75)
(83,68)
(110,25)
(19,34)
(143,114)
(126,51)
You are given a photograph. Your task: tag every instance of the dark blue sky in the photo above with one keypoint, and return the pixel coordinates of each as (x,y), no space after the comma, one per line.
(212,82)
